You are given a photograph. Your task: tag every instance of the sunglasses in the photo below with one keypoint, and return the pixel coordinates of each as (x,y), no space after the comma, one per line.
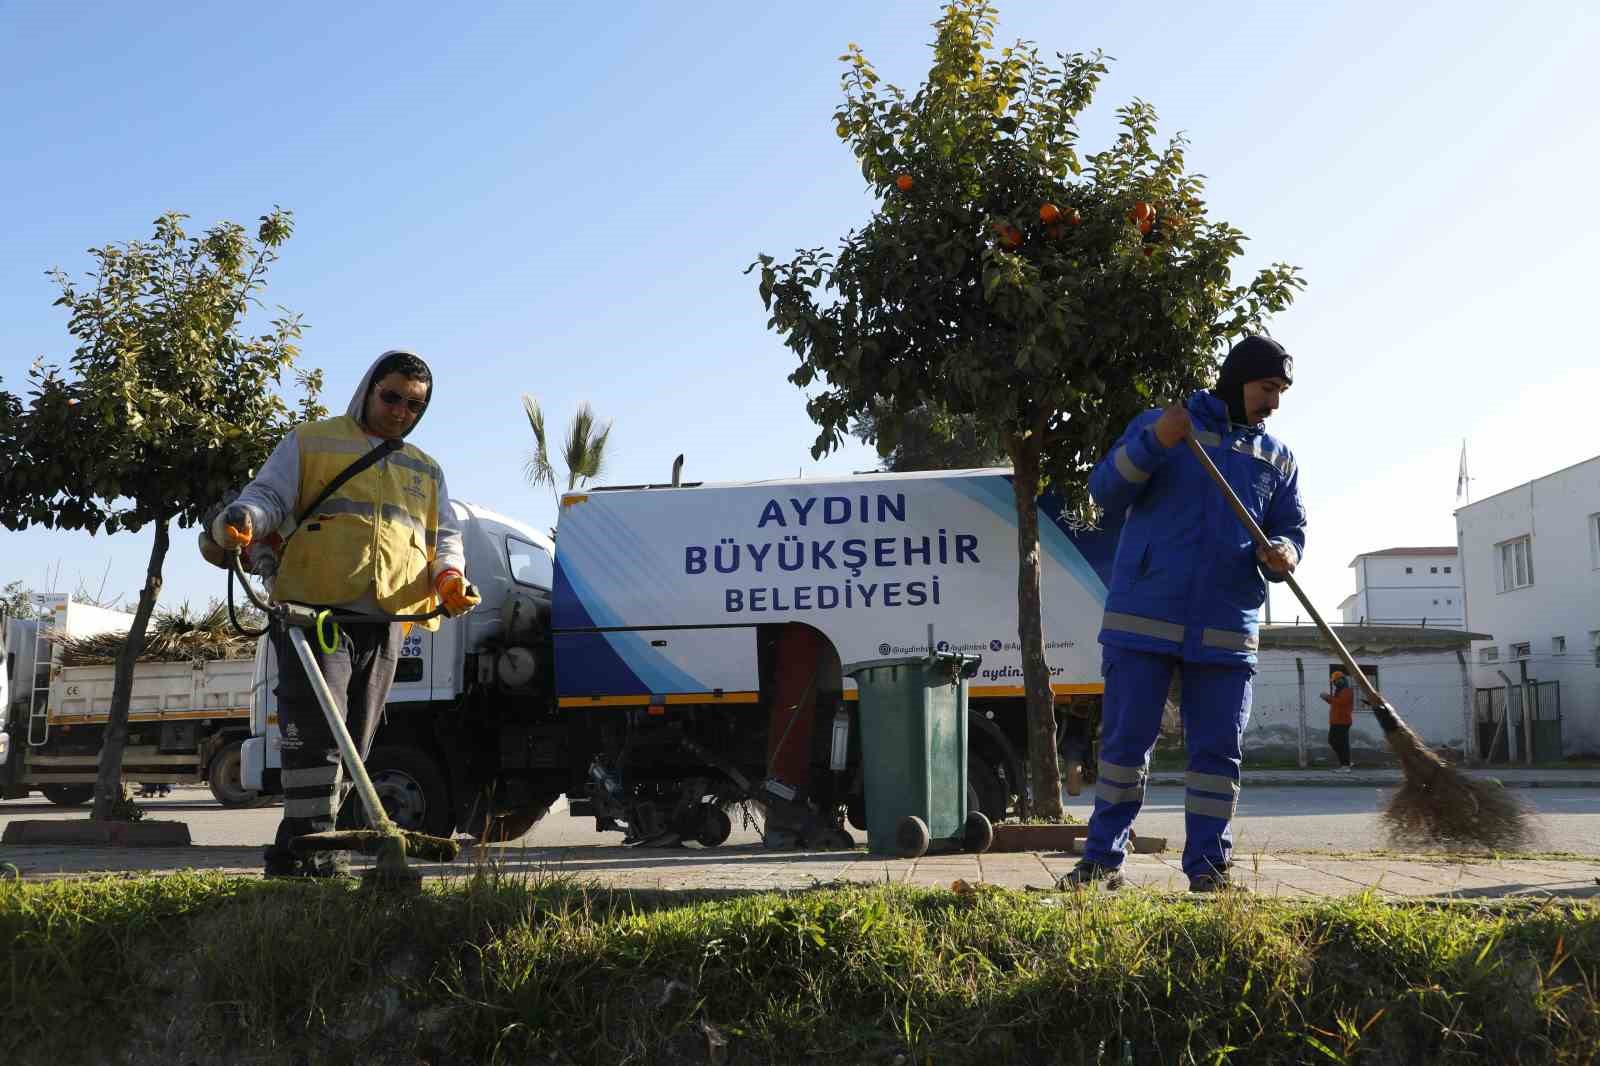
(394,399)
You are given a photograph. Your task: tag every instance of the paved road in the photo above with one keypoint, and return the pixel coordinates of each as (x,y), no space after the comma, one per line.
(1281,819)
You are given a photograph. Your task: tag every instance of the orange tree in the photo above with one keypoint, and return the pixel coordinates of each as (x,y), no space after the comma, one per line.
(1048,295)
(164,406)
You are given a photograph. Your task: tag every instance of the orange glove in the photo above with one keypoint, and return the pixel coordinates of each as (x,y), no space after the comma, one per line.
(232,529)
(454,593)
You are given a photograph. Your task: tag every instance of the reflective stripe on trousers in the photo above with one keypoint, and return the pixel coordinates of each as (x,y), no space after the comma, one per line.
(1215,700)
(1119,784)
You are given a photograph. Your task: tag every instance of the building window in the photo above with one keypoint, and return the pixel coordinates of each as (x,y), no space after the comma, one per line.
(1433,569)
(1447,569)
(1516,563)
(1594,644)
(1558,646)
(1594,541)
(1521,650)
(1436,603)
(1490,654)
(1449,603)
(1408,569)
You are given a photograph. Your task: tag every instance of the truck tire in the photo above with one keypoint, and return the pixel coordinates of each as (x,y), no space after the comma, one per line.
(68,795)
(986,791)
(222,774)
(507,826)
(412,789)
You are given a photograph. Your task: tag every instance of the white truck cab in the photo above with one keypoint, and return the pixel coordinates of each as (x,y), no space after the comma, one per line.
(511,563)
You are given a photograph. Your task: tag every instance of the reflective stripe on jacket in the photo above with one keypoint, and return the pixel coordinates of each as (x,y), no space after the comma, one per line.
(375,533)
(1185,580)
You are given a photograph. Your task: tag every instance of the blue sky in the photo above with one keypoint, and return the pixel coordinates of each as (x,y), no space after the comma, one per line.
(562,199)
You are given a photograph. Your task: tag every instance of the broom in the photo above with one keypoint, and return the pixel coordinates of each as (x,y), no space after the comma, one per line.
(1437,804)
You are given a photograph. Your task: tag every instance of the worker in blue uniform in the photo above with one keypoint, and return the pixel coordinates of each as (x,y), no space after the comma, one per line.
(1187,584)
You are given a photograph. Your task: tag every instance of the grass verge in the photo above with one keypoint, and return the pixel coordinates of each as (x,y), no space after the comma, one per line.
(203,969)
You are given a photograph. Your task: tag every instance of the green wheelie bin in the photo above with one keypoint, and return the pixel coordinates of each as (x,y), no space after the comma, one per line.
(913,720)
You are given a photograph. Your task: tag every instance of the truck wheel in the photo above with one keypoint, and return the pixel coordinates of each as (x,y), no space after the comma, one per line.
(410,787)
(855,812)
(222,774)
(715,826)
(507,826)
(986,791)
(68,795)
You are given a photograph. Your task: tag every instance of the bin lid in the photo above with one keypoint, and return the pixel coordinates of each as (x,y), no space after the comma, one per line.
(966,664)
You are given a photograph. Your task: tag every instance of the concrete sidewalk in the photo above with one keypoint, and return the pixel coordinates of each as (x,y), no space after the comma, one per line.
(751,868)
(1380,777)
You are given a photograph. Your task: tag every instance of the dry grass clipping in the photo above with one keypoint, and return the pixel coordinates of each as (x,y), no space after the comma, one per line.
(175,636)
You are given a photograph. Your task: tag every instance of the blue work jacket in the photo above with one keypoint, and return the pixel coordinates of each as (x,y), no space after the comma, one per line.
(1185,580)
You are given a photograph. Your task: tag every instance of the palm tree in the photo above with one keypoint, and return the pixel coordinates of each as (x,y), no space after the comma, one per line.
(583,453)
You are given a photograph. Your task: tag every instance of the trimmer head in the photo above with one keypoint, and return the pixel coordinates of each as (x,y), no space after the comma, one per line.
(372,842)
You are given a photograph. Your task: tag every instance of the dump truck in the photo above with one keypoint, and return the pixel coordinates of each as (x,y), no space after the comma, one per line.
(186,720)
(680,647)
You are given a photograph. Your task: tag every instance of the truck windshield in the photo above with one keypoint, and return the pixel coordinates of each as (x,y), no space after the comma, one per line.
(530,564)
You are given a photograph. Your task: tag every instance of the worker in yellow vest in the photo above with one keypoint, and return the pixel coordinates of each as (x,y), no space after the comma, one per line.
(384,542)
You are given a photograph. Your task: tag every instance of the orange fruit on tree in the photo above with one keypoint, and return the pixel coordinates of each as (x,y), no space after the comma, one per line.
(903,183)
(1073,217)
(1144,225)
(1143,212)
(1049,213)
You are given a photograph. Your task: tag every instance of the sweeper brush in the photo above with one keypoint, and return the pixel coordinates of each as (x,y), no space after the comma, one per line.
(1437,805)
(1440,806)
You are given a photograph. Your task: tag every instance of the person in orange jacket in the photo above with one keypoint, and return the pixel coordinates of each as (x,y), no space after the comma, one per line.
(1341,701)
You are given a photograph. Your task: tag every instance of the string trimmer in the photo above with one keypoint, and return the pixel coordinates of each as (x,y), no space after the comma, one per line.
(382,837)
(1437,803)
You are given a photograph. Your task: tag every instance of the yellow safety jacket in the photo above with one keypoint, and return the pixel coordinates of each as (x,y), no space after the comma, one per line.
(376,532)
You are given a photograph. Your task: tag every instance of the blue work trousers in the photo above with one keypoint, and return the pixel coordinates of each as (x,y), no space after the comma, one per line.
(1216,706)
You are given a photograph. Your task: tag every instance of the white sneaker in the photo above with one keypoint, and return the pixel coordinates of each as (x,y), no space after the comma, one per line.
(1345,770)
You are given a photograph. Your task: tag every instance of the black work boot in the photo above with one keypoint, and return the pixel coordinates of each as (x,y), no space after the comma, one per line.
(280,862)
(1087,874)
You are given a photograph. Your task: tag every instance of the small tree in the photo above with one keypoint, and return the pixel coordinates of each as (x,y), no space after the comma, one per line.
(927,439)
(16,601)
(1048,296)
(163,407)
(583,454)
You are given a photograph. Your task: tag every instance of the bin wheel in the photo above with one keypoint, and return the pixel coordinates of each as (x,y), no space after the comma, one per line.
(715,826)
(978,834)
(911,837)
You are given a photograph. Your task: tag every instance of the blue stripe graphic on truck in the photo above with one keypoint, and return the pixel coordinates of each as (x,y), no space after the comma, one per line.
(996,494)
(637,666)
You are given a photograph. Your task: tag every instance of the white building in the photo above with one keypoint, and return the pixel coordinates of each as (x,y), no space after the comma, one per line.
(1426,673)
(1406,587)
(1531,557)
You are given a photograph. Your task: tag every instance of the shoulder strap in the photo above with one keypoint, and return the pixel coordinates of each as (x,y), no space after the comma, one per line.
(382,451)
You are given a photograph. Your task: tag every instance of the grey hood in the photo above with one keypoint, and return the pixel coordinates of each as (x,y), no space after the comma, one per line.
(358,402)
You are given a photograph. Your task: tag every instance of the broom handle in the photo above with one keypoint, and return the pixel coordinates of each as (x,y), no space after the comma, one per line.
(377,818)
(1381,706)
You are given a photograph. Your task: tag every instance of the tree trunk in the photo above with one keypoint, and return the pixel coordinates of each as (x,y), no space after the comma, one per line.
(108,786)
(1044,774)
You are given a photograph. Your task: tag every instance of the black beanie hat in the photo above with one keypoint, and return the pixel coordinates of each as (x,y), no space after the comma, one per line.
(1251,359)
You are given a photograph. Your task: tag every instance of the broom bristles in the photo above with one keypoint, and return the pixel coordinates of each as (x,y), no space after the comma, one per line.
(368,841)
(1439,806)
